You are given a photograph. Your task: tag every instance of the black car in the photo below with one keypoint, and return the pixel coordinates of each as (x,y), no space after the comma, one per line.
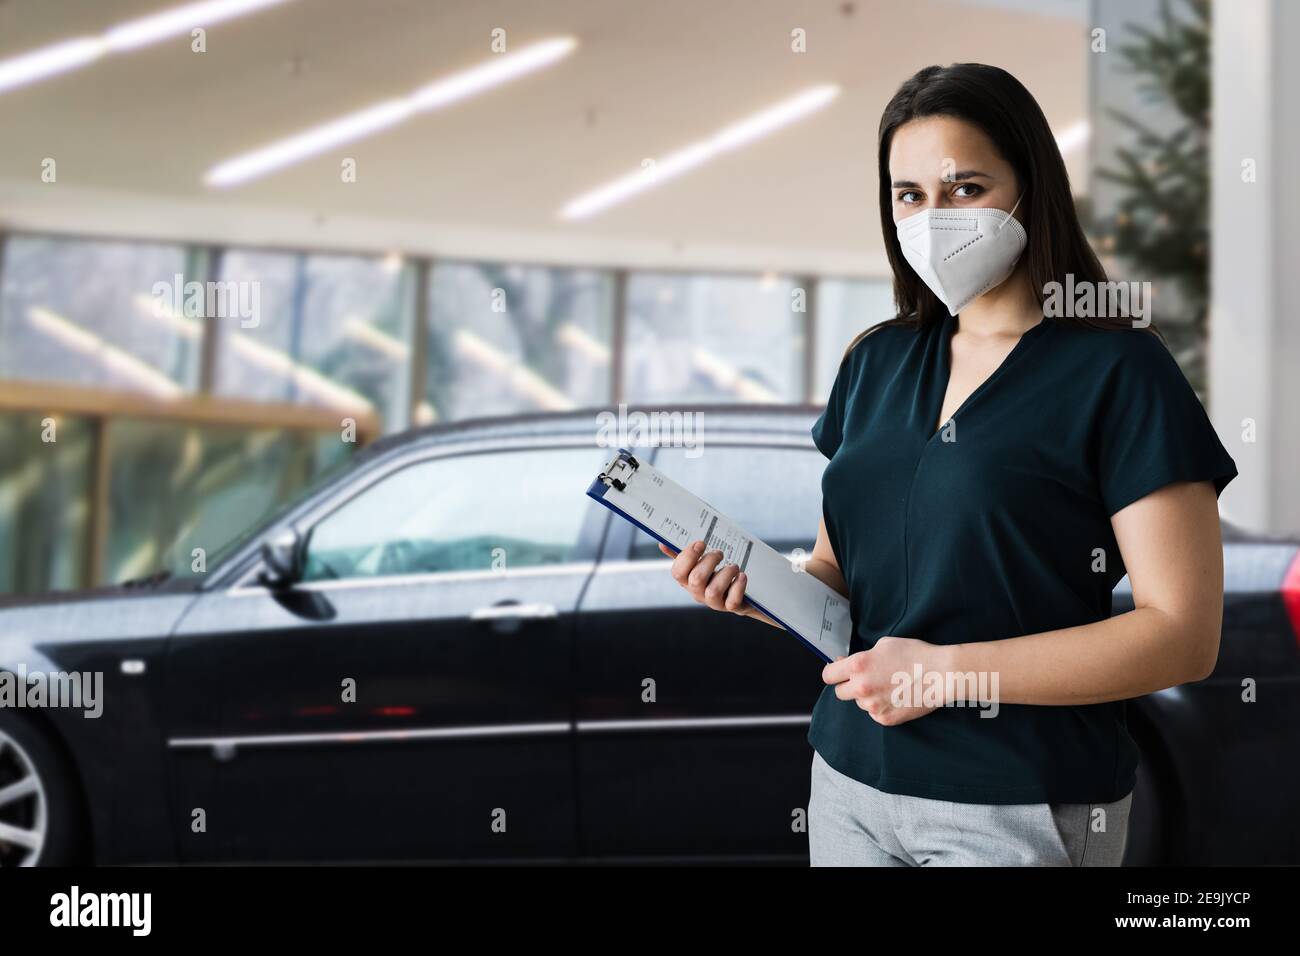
(448,652)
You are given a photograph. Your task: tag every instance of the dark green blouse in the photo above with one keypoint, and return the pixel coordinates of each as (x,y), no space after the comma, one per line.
(994,526)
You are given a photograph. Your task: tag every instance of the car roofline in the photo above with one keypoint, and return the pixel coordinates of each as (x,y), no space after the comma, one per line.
(450,431)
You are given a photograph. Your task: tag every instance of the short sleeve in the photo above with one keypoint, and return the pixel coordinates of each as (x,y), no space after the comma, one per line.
(1152,429)
(827,431)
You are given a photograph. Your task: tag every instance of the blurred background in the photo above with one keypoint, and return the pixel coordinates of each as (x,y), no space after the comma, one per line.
(448,248)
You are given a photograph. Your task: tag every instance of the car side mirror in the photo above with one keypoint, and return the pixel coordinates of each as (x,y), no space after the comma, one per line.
(284,555)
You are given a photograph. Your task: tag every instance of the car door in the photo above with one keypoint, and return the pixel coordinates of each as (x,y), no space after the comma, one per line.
(692,724)
(410,699)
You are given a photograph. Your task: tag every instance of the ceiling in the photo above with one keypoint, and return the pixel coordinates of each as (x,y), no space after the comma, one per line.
(133,134)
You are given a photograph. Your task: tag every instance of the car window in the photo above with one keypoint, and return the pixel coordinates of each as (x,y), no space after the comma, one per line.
(480,512)
(774,493)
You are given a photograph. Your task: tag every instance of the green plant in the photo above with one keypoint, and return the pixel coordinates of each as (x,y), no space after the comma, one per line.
(1160,228)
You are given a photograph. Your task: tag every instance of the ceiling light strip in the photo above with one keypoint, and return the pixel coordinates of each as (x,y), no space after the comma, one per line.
(319,139)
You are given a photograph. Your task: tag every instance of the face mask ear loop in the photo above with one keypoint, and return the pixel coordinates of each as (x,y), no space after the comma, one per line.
(1012,212)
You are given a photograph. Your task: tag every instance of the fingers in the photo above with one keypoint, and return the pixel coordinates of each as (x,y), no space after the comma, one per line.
(684,563)
(735,601)
(843,668)
(719,587)
(697,571)
(702,574)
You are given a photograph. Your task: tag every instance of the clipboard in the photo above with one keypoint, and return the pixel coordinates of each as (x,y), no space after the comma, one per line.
(811,610)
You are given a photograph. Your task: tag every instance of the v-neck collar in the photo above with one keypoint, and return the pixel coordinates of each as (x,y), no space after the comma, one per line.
(944,371)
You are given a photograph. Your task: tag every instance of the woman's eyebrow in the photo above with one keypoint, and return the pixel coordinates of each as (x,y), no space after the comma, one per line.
(960,174)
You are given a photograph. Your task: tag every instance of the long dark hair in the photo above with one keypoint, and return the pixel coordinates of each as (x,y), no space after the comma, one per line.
(996,102)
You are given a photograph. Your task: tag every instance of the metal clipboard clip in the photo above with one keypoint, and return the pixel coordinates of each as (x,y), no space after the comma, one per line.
(619,471)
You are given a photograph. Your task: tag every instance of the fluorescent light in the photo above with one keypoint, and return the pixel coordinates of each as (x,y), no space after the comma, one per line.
(742,133)
(78,52)
(49,61)
(494,72)
(179,20)
(1072,137)
(354,126)
(309,143)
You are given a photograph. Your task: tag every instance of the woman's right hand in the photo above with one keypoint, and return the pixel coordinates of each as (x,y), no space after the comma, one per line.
(697,571)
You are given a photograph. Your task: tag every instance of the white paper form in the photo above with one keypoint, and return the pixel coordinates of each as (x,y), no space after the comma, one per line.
(806,607)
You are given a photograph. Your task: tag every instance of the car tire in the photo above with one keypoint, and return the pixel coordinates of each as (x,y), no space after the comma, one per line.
(48,805)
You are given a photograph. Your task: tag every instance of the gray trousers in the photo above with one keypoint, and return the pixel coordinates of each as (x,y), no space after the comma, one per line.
(853,824)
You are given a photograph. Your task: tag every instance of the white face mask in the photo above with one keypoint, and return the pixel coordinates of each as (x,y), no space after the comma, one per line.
(962,253)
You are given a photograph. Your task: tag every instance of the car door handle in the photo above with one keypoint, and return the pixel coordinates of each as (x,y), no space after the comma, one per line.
(513,612)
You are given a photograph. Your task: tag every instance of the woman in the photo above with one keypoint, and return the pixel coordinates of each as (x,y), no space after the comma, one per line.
(997,462)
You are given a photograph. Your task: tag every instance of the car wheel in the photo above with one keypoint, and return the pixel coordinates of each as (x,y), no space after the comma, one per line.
(39,806)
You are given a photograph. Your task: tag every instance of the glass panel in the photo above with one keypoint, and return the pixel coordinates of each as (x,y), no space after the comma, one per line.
(455,514)
(782,507)
(176,487)
(505,339)
(846,307)
(44,502)
(713,339)
(85,312)
(331,332)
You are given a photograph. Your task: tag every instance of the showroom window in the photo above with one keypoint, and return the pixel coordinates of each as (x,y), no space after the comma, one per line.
(176,487)
(222,415)
(701,338)
(87,313)
(505,339)
(44,501)
(331,332)
(846,307)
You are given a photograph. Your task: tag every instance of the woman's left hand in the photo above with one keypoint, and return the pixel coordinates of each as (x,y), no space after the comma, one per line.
(889,681)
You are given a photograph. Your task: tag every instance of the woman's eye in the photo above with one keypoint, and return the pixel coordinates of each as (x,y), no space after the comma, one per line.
(903,196)
(975,191)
